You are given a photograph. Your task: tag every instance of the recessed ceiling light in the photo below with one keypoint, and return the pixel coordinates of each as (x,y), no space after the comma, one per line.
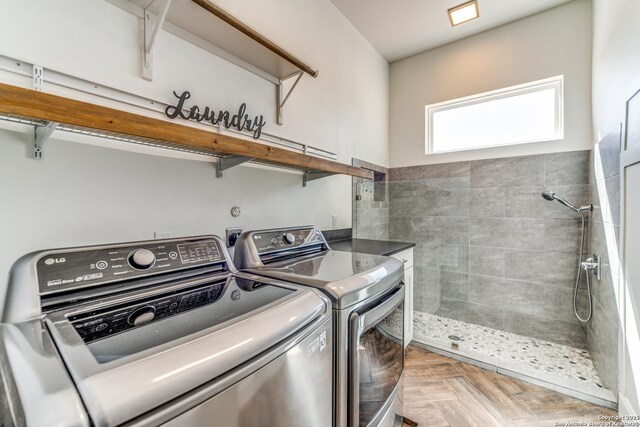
(463,12)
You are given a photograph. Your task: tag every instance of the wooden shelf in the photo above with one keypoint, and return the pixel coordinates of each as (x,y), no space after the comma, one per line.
(210,23)
(29,104)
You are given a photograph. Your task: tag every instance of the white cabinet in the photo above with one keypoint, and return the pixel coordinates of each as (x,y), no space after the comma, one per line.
(406,257)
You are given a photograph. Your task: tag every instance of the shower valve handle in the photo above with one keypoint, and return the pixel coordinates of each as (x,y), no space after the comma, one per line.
(593,263)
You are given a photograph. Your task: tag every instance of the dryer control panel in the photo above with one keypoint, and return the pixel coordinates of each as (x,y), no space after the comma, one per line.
(275,240)
(68,269)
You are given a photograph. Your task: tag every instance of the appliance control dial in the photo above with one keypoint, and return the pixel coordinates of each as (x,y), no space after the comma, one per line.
(289,238)
(142,315)
(141,259)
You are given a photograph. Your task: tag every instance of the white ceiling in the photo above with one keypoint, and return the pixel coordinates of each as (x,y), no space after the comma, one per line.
(401,28)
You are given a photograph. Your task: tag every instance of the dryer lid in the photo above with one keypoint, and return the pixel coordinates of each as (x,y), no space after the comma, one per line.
(345,277)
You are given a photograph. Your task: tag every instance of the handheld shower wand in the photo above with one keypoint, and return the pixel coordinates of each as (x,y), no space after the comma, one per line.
(550,195)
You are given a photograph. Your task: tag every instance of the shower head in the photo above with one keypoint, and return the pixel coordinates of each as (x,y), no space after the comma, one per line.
(550,195)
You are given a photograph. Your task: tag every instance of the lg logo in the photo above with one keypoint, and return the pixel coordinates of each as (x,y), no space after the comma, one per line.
(51,261)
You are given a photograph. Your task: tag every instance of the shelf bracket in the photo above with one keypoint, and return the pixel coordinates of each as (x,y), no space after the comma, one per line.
(152,26)
(40,135)
(312,175)
(37,77)
(228,162)
(282,97)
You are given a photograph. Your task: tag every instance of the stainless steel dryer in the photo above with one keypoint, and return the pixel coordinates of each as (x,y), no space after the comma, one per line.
(160,332)
(366,292)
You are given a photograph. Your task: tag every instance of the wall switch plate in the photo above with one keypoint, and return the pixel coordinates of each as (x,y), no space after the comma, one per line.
(232,235)
(334,221)
(162,235)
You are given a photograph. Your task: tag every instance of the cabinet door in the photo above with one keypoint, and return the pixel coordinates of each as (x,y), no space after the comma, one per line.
(408,306)
(406,257)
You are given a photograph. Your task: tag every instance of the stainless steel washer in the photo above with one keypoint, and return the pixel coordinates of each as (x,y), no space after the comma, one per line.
(161,332)
(366,292)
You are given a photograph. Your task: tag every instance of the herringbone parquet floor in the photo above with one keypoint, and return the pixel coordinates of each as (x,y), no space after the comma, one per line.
(440,392)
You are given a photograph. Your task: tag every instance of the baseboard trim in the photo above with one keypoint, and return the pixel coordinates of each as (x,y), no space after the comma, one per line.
(624,406)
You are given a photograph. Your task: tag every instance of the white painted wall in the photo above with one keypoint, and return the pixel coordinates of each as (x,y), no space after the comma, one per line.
(548,44)
(616,77)
(83,194)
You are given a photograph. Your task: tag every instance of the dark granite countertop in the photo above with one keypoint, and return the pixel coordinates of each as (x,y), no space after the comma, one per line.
(366,246)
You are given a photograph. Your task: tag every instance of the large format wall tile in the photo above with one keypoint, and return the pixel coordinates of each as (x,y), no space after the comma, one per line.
(554,304)
(612,200)
(454,202)
(400,229)
(487,202)
(606,155)
(443,229)
(430,197)
(544,267)
(370,210)
(604,292)
(604,240)
(431,171)
(557,331)
(487,261)
(507,172)
(525,202)
(562,235)
(489,249)
(485,315)
(570,168)
(448,284)
(453,257)
(518,296)
(524,233)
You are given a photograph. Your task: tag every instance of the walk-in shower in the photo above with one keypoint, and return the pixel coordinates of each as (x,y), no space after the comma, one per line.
(494,266)
(588,265)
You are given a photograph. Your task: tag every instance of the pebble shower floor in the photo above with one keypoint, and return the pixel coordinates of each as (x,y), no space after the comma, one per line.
(549,358)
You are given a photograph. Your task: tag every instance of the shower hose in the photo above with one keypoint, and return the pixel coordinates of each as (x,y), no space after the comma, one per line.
(575,290)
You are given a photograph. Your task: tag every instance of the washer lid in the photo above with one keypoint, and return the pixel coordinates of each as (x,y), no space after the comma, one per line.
(345,277)
(118,389)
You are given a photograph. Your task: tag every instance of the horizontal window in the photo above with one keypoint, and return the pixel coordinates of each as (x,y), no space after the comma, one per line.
(531,112)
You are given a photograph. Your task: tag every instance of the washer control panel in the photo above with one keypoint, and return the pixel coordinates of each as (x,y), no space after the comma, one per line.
(69,269)
(96,325)
(271,241)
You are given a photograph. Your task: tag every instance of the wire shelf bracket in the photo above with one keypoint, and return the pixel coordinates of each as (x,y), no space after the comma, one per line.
(228,162)
(281,97)
(41,132)
(152,25)
(313,175)
(40,135)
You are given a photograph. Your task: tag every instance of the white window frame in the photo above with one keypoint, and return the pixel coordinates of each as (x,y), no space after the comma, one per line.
(556,83)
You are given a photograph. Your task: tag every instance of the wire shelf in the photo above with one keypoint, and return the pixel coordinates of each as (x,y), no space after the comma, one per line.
(114,136)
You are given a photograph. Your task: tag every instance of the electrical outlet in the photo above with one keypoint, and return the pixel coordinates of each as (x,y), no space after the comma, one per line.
(232,235)
(334,221)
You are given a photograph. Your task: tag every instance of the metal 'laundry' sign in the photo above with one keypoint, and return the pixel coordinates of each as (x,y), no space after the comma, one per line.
(239,121)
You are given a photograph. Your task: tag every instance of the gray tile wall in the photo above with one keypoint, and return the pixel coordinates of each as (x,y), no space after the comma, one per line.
(603,329)
(370,218)
(490,250)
